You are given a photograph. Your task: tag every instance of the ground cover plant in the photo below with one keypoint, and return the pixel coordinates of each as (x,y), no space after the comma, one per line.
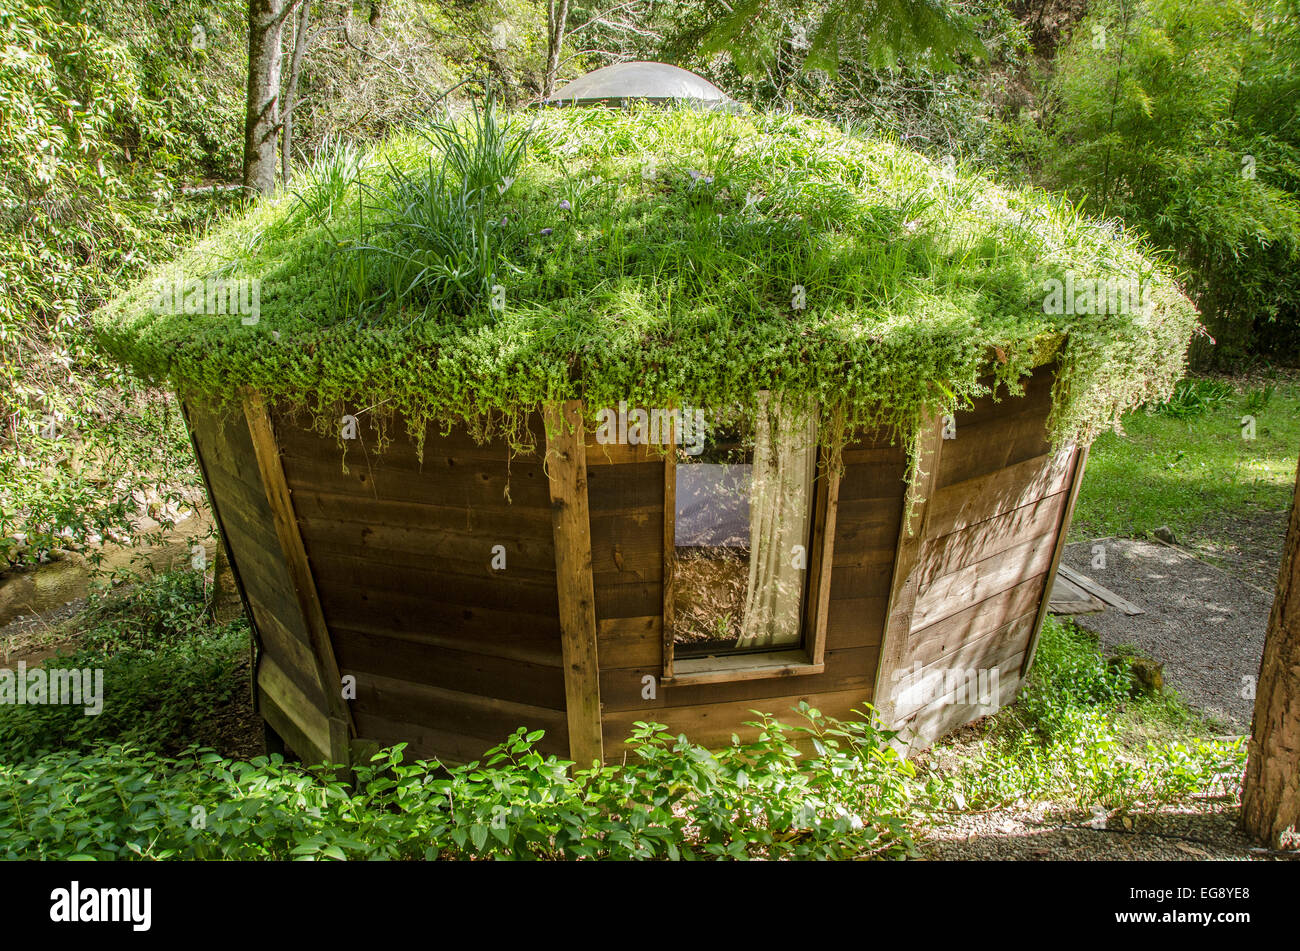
(666,257)
(1078,735)
(670,799)
(171,675)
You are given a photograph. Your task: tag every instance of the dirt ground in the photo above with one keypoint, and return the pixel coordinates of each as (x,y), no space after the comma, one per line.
(1206,830)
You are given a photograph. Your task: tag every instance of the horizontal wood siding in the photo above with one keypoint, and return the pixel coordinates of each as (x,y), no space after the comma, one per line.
(450,653)
(991,532)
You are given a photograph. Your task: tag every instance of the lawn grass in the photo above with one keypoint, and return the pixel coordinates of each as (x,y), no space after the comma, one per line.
(1189,473)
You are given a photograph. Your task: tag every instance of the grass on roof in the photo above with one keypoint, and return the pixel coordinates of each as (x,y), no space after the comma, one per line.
(470,270)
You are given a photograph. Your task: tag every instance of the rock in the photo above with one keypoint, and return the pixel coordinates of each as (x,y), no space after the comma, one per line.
(1166,535)
(1146,676)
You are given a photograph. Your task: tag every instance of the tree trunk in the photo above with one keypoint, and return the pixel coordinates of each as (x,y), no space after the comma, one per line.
(300,39)
(1270,801)
(556,21)
(261,119)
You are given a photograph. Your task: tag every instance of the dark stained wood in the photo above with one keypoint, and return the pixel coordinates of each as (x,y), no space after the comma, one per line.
(931,642)
(532,638)
(668,540)
(855,622)
(992,447)
(306,717)
(566,465)
(959,549)
(441,666)
(488,720)
(820,559)
(983,654)
(930,722)
(714,724)
(630,642)
(482,483)
(501,590)
(292,653)
(488,521)
(295,556)
(625,689)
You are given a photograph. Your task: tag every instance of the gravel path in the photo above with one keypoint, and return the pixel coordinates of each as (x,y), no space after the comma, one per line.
(1204,624)
(1045,831)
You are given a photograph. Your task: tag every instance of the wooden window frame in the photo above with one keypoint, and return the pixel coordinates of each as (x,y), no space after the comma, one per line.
(810,656)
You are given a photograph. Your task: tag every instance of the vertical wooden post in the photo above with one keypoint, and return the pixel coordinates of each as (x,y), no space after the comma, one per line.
(822,542)
(1062,528)
(904,587)
(566,468)
(670,554)
(271,469)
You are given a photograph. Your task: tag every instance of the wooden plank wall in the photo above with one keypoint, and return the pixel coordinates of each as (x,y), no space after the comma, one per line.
(991,533)
(290,694)
(626,498)
(450,654)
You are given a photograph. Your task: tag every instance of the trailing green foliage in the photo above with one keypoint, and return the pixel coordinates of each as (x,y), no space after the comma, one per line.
(670,800)
(665,257)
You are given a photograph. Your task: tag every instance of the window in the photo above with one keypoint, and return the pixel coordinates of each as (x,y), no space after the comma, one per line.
(741,572)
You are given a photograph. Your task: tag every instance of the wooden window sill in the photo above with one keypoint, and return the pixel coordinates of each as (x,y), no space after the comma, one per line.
(728,667)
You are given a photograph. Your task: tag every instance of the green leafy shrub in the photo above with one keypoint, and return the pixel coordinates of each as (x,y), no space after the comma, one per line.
(146,614)
(168,672)
(162,699)
(1194,396)
(671,799)
(1063,739)
(1177,117)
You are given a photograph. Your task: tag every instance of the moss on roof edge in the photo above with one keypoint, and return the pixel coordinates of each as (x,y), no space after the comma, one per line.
(667,288)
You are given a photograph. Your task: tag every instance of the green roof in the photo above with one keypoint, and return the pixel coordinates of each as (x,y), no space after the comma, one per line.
(666,257)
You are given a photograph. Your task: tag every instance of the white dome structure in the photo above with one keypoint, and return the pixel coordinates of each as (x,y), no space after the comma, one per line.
(653,82)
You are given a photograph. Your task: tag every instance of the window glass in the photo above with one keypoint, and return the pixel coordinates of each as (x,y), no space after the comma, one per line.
(741,528)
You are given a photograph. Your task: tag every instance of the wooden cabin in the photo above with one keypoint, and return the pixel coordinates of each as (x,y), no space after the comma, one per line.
(445,602)
(864,508)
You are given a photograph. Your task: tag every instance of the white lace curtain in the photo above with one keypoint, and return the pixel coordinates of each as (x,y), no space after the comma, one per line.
(785,460)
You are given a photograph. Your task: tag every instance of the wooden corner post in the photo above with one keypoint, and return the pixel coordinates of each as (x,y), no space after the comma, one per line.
(267,450)
(566,468)
(903,587)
